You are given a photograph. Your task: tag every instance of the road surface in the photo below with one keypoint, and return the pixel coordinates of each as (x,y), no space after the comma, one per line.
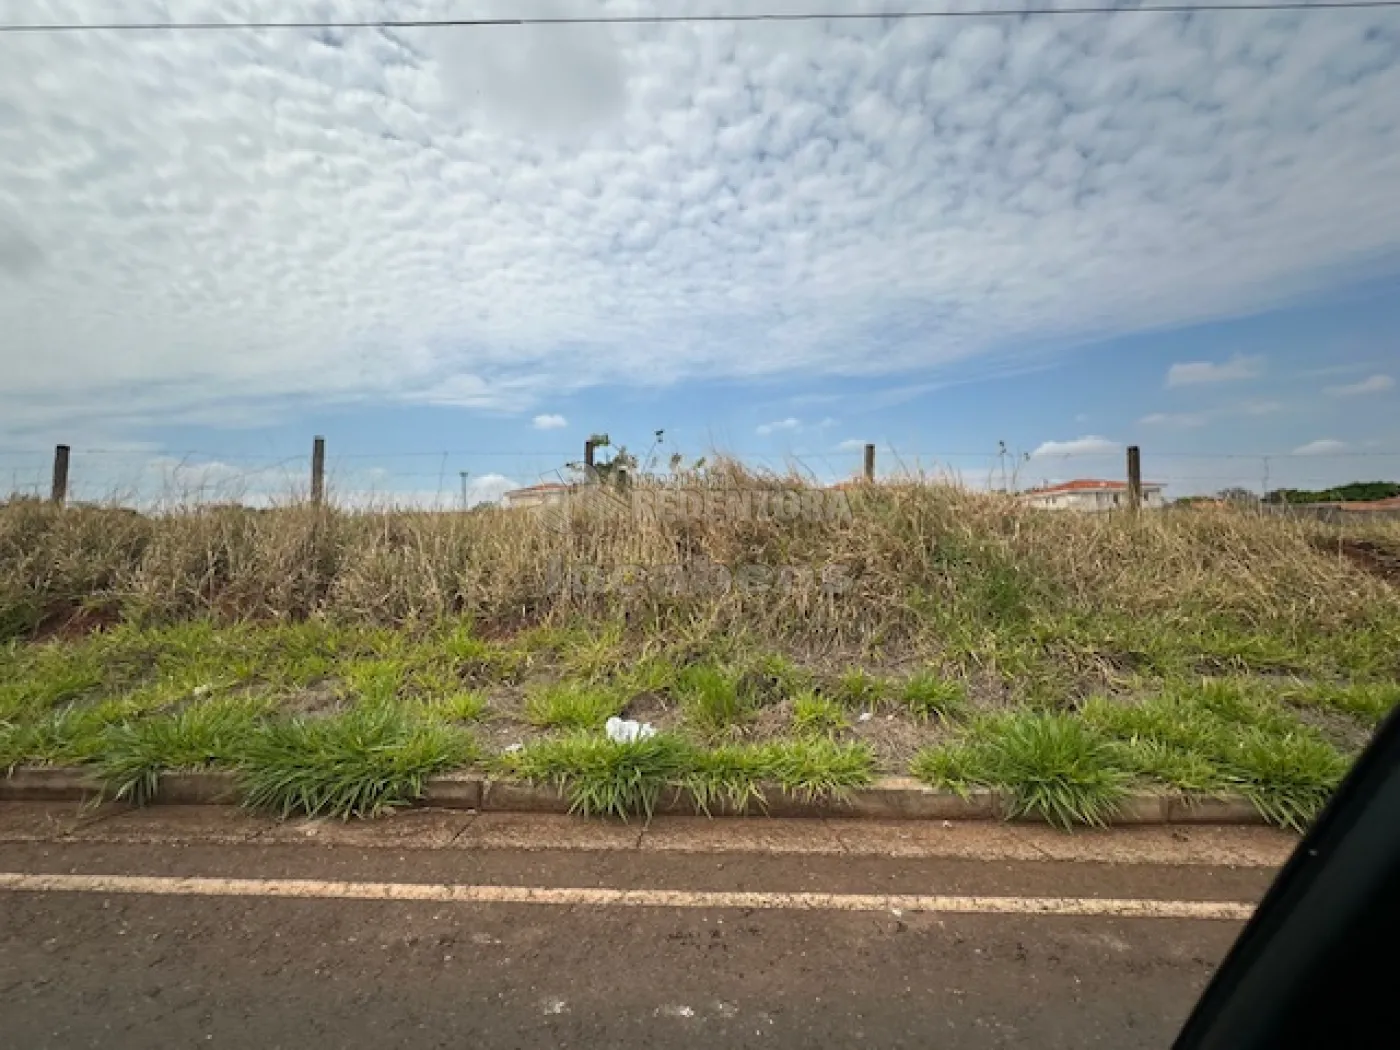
(208,928)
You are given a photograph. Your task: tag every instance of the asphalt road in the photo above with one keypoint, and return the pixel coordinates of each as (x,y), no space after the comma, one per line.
(86,966)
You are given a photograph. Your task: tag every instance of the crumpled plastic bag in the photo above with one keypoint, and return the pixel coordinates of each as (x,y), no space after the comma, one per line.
(627,731)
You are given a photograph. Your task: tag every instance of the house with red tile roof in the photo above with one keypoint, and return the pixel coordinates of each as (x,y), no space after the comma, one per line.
(1089,494)
(549,494)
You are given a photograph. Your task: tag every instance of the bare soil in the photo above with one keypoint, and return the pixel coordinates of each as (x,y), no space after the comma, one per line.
(1378,560)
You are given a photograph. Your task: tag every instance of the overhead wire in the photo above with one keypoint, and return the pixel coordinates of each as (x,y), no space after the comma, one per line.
(920,14)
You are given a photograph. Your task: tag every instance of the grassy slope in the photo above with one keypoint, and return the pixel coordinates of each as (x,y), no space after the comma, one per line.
(1057,656)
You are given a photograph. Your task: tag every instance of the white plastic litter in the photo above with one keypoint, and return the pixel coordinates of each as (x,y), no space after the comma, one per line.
(626,731)
(864,716)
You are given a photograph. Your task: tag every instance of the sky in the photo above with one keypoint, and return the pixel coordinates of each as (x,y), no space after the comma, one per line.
(999,249)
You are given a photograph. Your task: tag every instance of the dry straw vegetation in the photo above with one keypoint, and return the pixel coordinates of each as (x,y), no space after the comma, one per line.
(336,659)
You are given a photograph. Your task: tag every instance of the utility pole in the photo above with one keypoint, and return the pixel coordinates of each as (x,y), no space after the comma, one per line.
(869,465)
(464,474)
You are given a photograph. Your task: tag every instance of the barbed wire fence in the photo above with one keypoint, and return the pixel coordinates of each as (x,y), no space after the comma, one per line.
(146,477)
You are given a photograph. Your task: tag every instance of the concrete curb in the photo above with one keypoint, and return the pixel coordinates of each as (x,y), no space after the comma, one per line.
(891,798)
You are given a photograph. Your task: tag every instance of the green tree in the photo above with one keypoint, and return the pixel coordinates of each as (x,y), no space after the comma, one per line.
(1352,492)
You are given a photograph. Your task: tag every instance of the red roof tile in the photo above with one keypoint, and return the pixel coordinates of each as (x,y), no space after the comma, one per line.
(1087,485)
(1391,503)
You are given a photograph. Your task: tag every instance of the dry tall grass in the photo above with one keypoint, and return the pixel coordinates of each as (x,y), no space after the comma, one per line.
(918,558)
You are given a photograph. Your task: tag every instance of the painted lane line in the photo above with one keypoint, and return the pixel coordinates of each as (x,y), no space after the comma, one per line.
(167,886)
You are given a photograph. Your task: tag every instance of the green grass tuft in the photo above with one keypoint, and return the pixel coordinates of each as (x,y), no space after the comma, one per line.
(134,754)
(809,769)
(771,677)
(1048,765)
(1212,737)
(600,777)
(731,776)
(359,764)
(70,734)
(711,699)
(456,707)
(817,715)
(1368,702)
(572,705)
(859,690)
(595,654)
(484,663)
(1288,778)
(958,766)
(651,674)
(1188,771)
(816,769)
(375,681)
(928,696)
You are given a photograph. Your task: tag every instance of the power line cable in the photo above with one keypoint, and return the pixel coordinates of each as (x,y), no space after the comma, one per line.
(697,19)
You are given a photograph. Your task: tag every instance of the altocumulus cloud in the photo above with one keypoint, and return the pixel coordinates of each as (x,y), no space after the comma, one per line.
(1377,384)
(1091,445)
(207,227)
(779,425)
(1190,373)
(1321,447)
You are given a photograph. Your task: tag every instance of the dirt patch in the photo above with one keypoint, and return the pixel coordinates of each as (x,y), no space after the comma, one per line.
(497,734)
(896,739)
(67,624)
(773,722)
(1378,560)
(1341,730)
(318,700)
(504,725)
(893,736)
(654,707)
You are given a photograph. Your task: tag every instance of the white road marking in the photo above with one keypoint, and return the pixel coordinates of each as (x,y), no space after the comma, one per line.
(171,886)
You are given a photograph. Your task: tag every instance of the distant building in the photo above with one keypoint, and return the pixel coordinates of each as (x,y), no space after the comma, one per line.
(1370,506)
(551,494)
(1089,494)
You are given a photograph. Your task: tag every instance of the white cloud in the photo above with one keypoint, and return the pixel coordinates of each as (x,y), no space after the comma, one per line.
(1189,373)
(1089,445)
(1321,447)
(488,488)
(806,400)
(1262,408)
(356,494)
(359,217)
(1371,385)
(1174,419)
(534,80)
(1082,417)
(777,426)
(852,445)
(550,421)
